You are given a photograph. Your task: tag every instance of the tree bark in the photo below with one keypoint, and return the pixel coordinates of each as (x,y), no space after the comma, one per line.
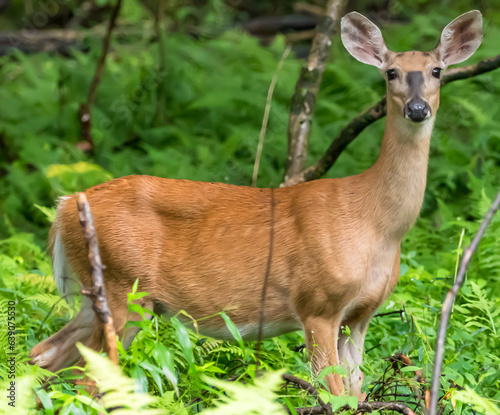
(307,87)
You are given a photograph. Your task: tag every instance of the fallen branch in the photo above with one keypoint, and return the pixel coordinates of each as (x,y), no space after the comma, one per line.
(97,292)
(450,299)
(362,407)
(84,112)
(161,95)
(305,385)
(376,112)
(304,99)
(326,408)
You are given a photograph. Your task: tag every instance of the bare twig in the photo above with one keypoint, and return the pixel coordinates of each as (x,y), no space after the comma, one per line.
(486,65)
(97,292)
(306,89)
(63,297)
(362,407)
(325,408)
(400,312)
(450,299)
(374,113)
(84,112)
(160,101)
(264,285)
(305,385)
(300,7)
(266,114)
(418,384)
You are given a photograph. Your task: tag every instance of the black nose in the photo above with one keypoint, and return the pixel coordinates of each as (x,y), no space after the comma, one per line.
(417,110)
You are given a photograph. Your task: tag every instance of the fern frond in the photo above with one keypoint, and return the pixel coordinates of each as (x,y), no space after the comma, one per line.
(248,399)
(118,389)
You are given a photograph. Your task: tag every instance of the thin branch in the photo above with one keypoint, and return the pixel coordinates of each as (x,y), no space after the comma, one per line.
(400,312)
(362,407)
(306,89)
(470,71)
(53,307)
(160,101)
(84,112)
(376,112)
(264,285)
(266,114)
(325,408)
(97,292)
(305,385)
(450,299)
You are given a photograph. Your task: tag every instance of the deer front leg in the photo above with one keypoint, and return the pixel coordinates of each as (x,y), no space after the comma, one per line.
(321,339)
(351,356)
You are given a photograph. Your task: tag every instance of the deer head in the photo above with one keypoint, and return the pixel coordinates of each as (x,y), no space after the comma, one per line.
(413,78)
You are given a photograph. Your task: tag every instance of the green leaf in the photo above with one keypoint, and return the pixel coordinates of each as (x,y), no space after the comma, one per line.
(234,331)
(337,402)
(183,338)
(352,401)
(410,368)
(340,370)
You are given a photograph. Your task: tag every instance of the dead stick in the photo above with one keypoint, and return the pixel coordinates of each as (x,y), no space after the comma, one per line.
(307,87)
(161,95)
(84,112)
(264,285)
(97,292)
(325,408)
(374,113)
(450,299)
(305,385)
(362,407)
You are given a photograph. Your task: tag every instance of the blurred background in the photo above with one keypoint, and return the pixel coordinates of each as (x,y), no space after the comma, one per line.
(182,95)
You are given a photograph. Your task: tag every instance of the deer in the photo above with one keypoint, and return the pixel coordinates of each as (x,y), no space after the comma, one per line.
(202,247)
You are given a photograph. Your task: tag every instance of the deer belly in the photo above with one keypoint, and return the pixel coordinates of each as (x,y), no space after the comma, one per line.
(278,318)
(250,331)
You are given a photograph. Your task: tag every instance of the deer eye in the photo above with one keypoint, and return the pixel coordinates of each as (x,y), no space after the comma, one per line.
(391,74)
(436,73)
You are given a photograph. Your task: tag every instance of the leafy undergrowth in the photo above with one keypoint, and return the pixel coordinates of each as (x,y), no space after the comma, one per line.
(183,371)
(216,92)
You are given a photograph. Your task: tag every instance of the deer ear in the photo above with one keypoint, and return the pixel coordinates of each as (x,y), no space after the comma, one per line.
(363,40)
(461,38)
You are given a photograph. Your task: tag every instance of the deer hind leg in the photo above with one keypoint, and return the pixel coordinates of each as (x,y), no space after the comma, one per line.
(321,339)
(119,311)
(59,350)
(351,356)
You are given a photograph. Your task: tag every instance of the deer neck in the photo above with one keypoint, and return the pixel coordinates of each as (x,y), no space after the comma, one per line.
(396,182)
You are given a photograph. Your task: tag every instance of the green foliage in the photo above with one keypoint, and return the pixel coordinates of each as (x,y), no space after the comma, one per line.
(250,399)
(118,390)
(215,97)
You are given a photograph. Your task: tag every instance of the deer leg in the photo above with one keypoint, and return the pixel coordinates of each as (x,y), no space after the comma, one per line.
(321,339)
(59,350)
(351,356)
(97,342)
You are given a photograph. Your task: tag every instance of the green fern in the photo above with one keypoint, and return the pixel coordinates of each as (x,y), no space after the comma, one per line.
(118,389)
(242,399)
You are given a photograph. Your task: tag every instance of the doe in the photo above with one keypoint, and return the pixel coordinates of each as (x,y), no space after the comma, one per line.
(202,247)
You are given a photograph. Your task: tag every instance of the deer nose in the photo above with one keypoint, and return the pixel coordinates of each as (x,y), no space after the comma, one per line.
(417,110)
